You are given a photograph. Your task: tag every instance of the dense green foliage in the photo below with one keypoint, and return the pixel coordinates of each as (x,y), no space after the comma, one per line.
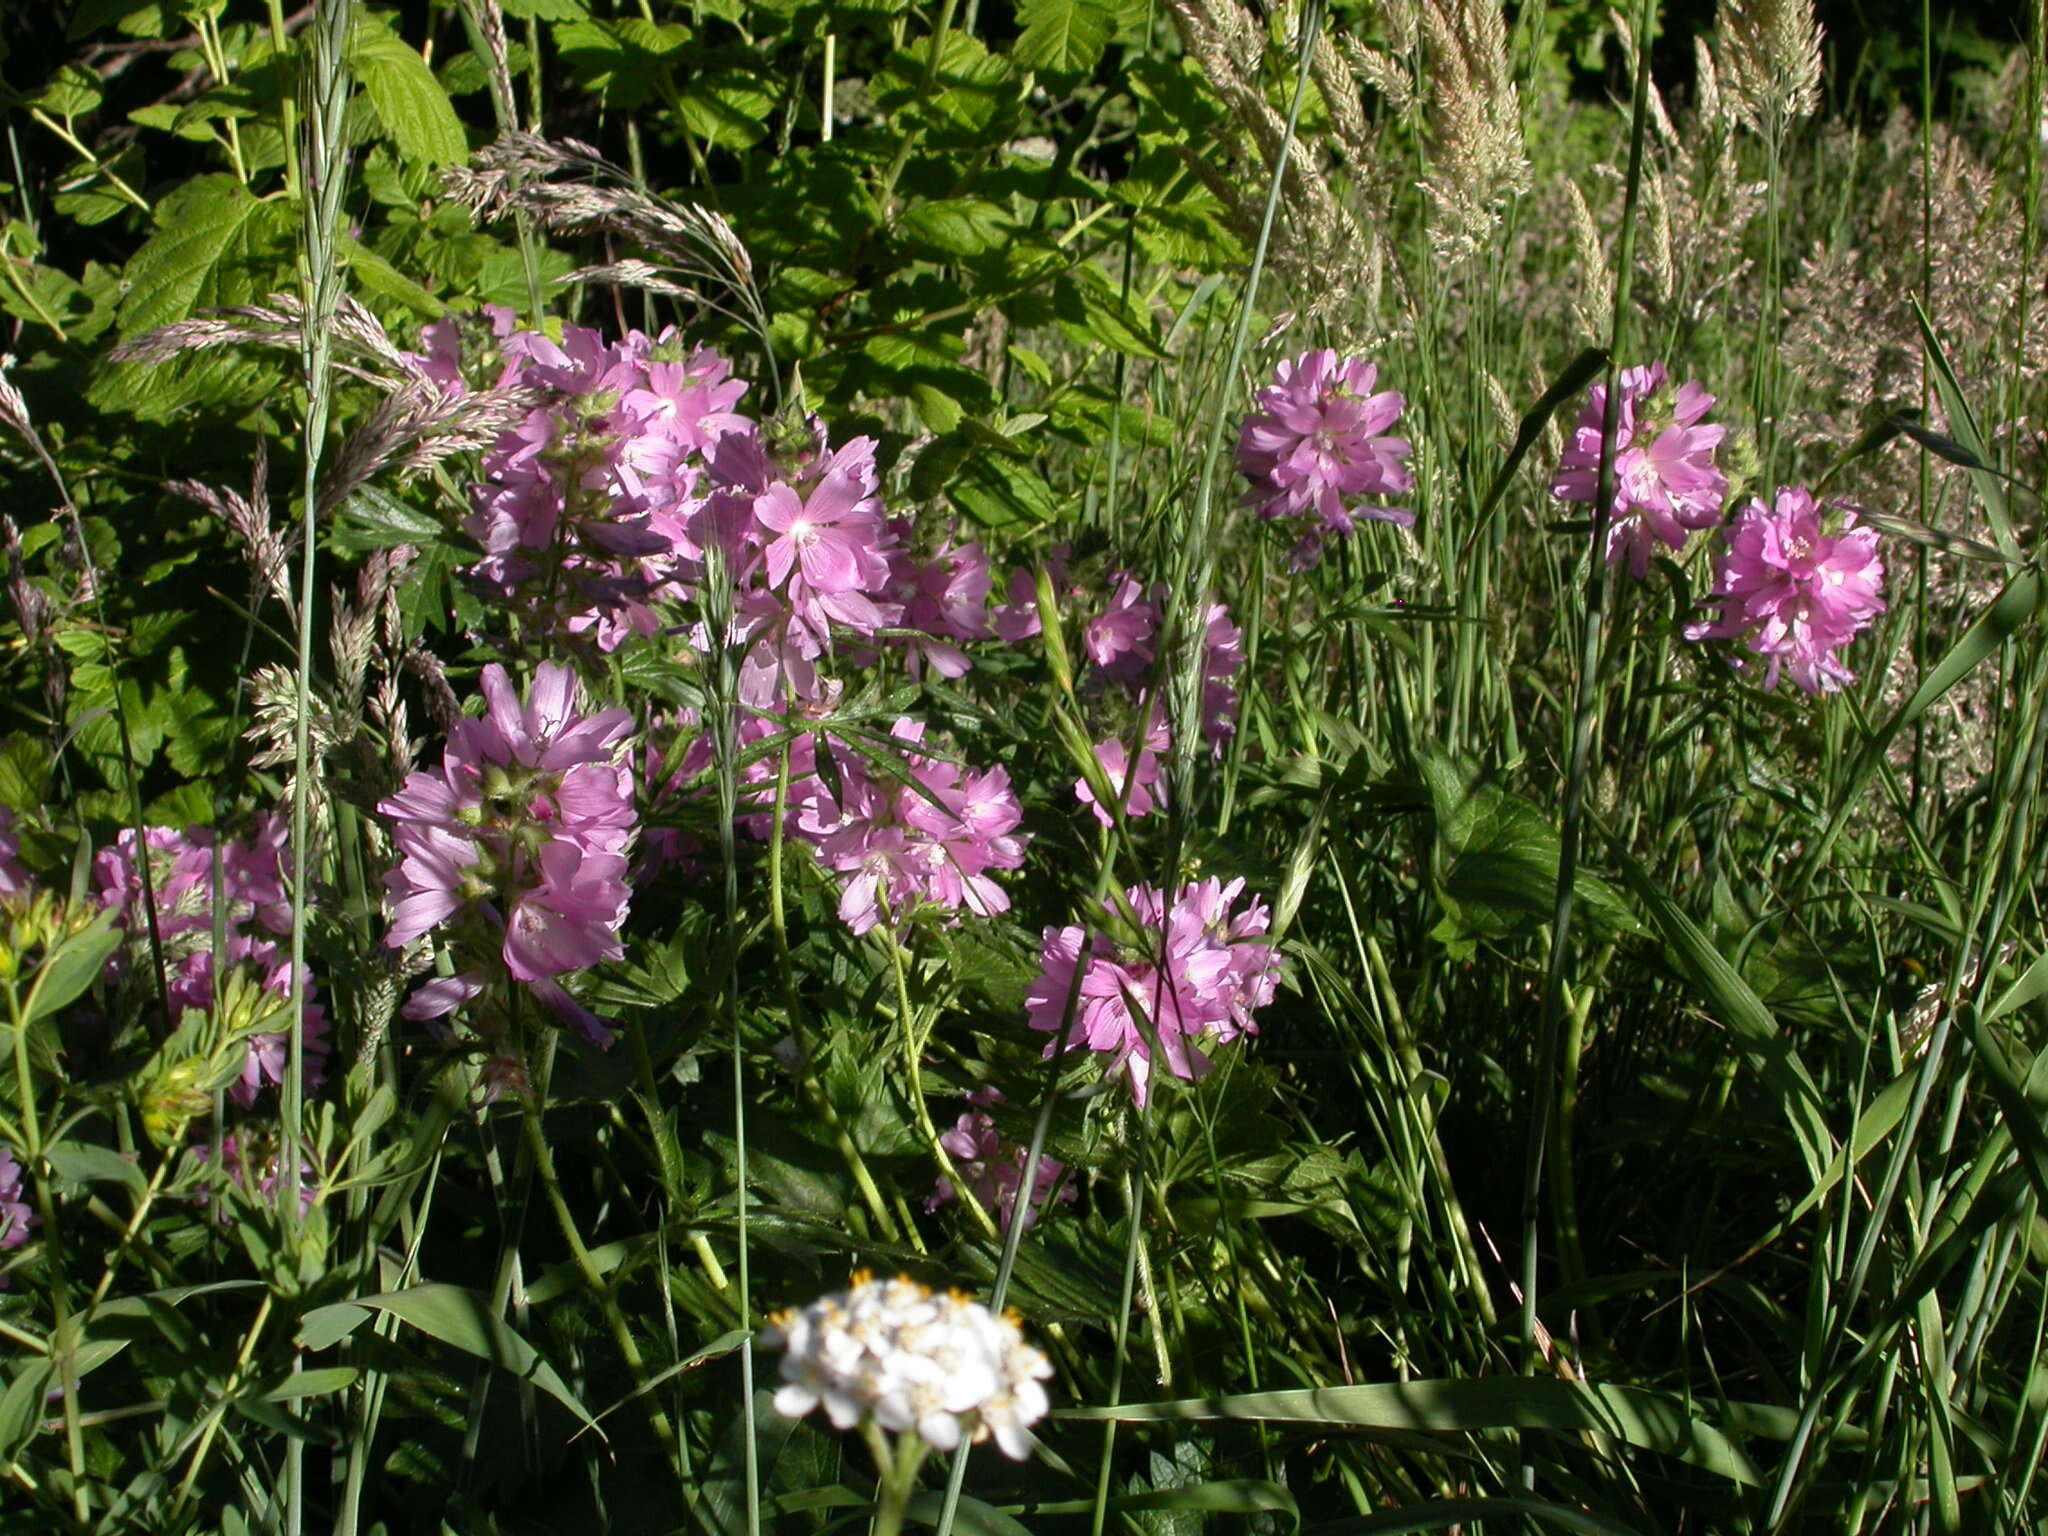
(1709,1010)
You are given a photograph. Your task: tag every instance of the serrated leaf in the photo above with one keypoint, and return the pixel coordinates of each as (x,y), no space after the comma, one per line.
(410,102)
(1000,493)
(208,235)
(374,519)
(1062,37)
(958,226)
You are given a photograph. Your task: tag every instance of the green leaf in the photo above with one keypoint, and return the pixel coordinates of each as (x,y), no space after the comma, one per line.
(80,1162)
(313,1383)
(730,109)
(373,519)
(625,61)
(1743,1013)
(209,234)
(1497,862)
(1655,1421)
(1062,37)
(958,226)
(410,102)
(1000,493)
(72,966)
(454,1316)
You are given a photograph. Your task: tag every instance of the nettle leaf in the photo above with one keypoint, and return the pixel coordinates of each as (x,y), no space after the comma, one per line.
(958,227)
(728,109)
(211,237)
(1497,862)
(625,61)
(410,102)
(1062,37)
(214,245)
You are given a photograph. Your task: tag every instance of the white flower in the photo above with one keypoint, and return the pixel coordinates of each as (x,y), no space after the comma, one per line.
(912,1360)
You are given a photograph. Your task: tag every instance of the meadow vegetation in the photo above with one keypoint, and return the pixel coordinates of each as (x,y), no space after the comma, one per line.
(1333,714)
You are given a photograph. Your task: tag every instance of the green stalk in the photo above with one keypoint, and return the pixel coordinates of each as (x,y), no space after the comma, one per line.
(1542,1087)
(325,172)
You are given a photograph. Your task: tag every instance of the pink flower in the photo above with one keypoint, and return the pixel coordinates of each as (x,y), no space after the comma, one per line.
(16,1216)
(13,876)
(944,599)
(1194,974)
(1794,594)
(1317,445)
(1142,791)
(1665,480)
(520,842)
(1120,642)
(994,1168)
(937,844)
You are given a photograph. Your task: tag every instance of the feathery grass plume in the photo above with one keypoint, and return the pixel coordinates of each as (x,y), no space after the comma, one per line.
(1326,244)
(1850,333)
(568,187)
(1480,162)
(248,518)
(1593,300)
(1770,54)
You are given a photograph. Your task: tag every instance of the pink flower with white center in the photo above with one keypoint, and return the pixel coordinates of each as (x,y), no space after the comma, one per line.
(1195,974)
(1318,444)
(902,847)
(830,536)
(994,1168)
(1793,593)
(520,842)
(1121,641)
(1666,483)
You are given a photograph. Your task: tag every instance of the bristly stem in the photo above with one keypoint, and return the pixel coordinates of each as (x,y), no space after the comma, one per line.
(1543,1085)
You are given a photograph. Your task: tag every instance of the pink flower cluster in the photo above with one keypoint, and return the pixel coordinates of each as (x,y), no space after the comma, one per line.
(1121,642)
(1196,974)
(637,480)
(1318,444)
(1793,593)
(994,1168)
(933,834)
(1666,483)
(254,913)
(519,844)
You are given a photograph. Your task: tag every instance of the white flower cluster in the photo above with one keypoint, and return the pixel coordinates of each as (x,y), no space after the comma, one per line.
(911,1358)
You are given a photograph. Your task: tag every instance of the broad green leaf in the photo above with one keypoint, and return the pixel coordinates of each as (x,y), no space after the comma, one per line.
(373,519)
(1655,1421)
(209,233)
(410,102)
(83,1163)
(1497,862)
(958,226)
(625,61)
(71,967)
(457,1317)
(730,109)
(1062,37)
(1000,493)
